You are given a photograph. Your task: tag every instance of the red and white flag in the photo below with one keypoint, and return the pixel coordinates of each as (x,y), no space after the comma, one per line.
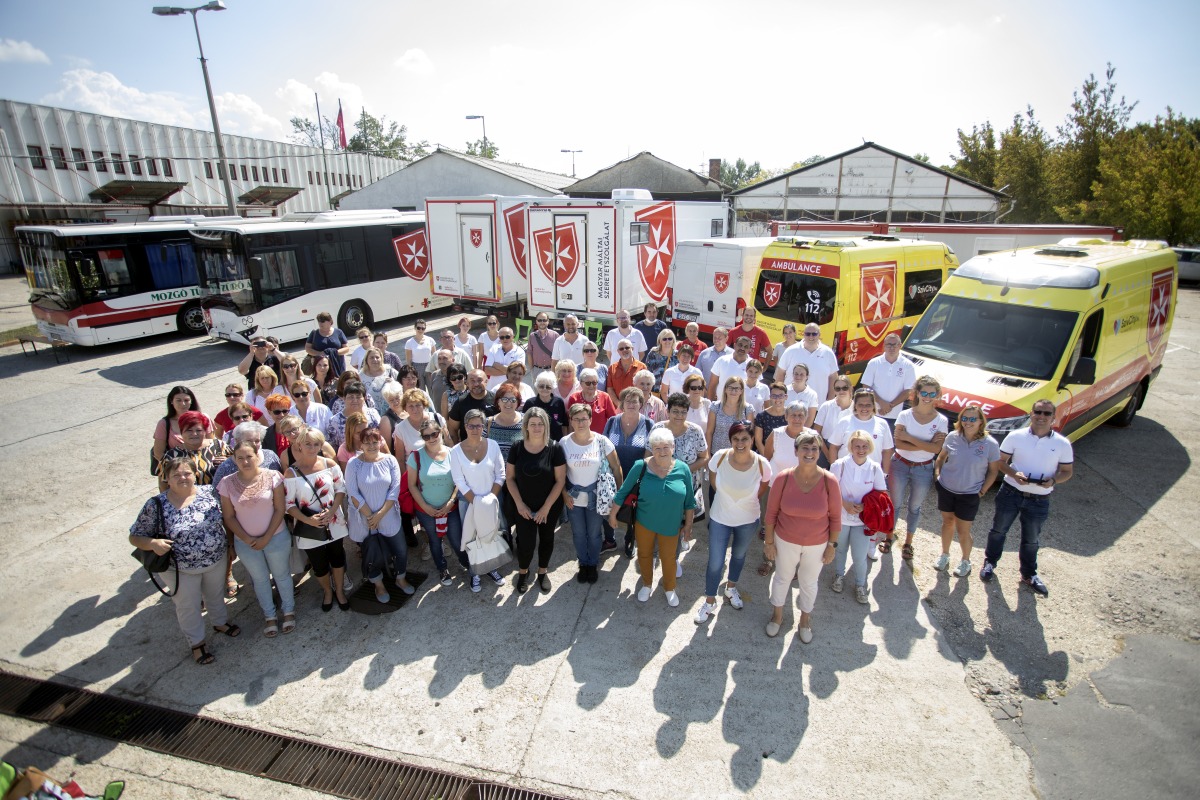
(341,126)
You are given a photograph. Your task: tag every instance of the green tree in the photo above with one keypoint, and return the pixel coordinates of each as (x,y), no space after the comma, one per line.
(922,157)
(477,149)
(1021,167)
(1096,117)
(1149,180)
(739,173)
(381,137)
(305,132)
(977,154)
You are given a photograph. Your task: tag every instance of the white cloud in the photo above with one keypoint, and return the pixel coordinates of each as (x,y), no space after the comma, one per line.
(103,93)
(21,52)
(78,62)
(242,115)
(297,97)
(415,61)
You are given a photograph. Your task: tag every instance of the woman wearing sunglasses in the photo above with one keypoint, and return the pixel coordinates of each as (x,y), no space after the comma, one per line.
(456,387)
(431,483)
(920,431)
(290,369)
(223,423)
(965,469)
(489,339)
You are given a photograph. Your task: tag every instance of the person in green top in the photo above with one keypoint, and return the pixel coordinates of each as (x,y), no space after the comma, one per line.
(666,505)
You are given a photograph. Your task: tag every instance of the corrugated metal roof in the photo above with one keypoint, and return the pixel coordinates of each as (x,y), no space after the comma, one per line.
(550,181)
(647,171)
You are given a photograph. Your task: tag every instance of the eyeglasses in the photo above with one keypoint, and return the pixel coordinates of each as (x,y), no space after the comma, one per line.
(968,420)
(475,426)
(812,335)
(260,345)
(364,338)
(625,349)
(668,338)
(695,388)
(733,388)
(420,327)
(505,337)
(507,400)
(241,418)
(299,394)
(458,378)
(1043,413)
(841,388)
(492,324)
(545,321)
(429,437)
(928,394)
(280,413)
(593,352)
(581,420)
(778,396)
(233,394)
(590,383)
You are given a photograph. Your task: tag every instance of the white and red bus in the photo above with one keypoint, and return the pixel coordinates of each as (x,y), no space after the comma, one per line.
(92,284)
(967,240)
(274,277)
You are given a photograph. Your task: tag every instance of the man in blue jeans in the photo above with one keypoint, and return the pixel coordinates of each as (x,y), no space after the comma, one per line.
(1033,460)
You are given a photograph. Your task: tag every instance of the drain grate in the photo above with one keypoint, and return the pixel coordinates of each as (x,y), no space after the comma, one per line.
(309,765)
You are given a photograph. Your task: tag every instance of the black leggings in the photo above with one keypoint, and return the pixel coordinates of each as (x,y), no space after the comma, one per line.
(330,555)
(527,532)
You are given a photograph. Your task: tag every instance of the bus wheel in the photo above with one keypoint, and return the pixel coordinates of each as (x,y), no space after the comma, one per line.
(1125,418)
(355,314)
(190,321)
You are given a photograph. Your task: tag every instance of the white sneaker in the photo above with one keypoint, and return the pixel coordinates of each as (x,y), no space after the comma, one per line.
(942,563)
(805,635)
(963,569)
(672,599)
(707,609)
(873,553)
(734,596)
(347,584)
(860,594)
(679,570)
(839,582)
(643,594)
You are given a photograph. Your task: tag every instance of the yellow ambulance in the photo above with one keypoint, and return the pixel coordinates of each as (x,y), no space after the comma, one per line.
(858,289)
(1083,323)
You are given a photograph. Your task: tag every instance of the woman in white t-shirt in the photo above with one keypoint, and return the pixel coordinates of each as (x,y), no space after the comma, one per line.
(757,392)
(789,339)
(674,376)
(865,419)
(857,474)
(418,351)
(920,431)
(487,340)
(799,391)
(584,450)
(739,478)
(465,341)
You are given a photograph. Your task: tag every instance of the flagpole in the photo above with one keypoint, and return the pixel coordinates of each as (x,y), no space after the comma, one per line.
(342,142)
(321,128)
(370,174)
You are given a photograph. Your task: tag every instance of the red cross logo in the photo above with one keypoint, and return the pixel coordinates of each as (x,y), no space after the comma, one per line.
(1160,307)
(771,292)
(877,298)
(514,223)
(476,236)
(721,282)
(557,253)
(654,257)
(412,252)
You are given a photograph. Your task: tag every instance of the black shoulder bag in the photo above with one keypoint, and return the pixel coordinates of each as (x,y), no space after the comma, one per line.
(155,564)
(306,530)
(627,513)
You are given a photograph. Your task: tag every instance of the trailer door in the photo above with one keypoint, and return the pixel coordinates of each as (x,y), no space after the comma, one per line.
(559,267)
(476,248)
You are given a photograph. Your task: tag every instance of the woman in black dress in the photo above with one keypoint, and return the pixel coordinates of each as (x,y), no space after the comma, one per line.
(535,475)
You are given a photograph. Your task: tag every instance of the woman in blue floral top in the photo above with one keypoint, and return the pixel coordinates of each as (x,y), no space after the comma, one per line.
(190,525)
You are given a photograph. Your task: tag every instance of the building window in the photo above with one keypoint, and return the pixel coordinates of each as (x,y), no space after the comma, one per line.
(318,179)
(81,162)
(245,173)
(208,170)
(118,164)
(221,170)
(274,175)
(310,180)
(98,160)
(254,172)
(151,165)
(135,164)
(168,170)
(37,159)
(284,171)
(60,157)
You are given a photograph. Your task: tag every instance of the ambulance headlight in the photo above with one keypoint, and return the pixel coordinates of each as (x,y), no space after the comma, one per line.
(1007,424)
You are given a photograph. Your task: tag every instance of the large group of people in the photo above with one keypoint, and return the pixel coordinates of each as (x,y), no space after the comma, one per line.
(360,445)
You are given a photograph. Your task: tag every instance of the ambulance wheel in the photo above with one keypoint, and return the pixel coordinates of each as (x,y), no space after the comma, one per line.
(355,314)
(190,321)
(1125,418)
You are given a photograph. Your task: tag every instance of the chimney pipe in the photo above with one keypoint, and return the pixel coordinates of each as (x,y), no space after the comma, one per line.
(714,169)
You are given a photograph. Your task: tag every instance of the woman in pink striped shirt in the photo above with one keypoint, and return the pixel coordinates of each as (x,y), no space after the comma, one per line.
(803,522)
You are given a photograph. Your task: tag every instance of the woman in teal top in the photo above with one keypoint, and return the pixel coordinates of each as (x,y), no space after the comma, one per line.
(666,504)
(433,492)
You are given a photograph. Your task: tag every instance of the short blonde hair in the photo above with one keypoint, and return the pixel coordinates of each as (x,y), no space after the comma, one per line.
(861,436)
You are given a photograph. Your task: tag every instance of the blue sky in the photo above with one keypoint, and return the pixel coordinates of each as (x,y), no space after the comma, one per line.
(765,80)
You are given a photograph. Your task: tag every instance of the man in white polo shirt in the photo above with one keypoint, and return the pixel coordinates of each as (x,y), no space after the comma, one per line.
(891,377)
(1033,460)
(570,344)
(819,357)
(499,357)
(727,366)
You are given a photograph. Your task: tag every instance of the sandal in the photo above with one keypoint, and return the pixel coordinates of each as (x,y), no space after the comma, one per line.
(289,623)
(906,552)
(201,655)
(271,630)
(886,545)
(231,587)
(230,630)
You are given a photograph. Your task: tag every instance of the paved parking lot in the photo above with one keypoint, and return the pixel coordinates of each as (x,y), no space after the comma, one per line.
(586,692)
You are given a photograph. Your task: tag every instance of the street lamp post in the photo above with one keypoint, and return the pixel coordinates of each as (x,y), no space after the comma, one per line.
(484,122)
(572,152)
(214,5)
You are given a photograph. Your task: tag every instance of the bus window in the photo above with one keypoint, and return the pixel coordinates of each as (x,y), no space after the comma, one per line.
(795,297)
(116,271)
(920,287)
(281,277)
(172,264)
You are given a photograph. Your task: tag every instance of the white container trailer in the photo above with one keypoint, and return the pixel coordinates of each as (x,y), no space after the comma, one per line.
(562,255)
(713,279)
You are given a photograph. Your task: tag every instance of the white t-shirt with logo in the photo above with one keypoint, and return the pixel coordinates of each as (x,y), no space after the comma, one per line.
(924,433)
(876,427)
(890,380)
(856,480)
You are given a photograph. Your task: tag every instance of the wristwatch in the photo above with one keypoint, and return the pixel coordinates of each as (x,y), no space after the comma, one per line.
(832,544)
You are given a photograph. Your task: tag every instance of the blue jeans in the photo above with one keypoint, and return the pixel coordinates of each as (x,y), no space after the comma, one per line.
(453,533)
(719,537)
(270,562)
(852,542)
(904,478)
(586,530)
(378,549)
(1033,510)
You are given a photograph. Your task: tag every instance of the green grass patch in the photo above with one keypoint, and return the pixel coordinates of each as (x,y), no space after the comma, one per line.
(11,334)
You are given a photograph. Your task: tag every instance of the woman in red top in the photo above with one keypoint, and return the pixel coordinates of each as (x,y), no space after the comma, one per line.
(803,522)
